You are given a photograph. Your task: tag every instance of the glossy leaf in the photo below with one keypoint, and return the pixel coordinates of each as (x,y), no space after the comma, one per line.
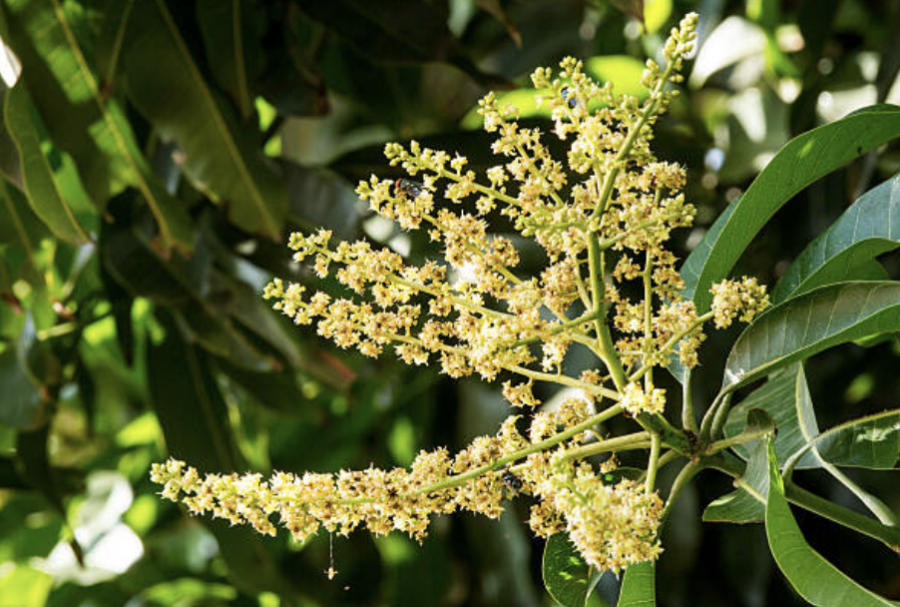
(872,441)
(785,397)
(802,161)
(568,579)
(638,586)
(815,579)
(746,504)
(82,121)
(869,228)
(220,157)
(810,323)
(48,202)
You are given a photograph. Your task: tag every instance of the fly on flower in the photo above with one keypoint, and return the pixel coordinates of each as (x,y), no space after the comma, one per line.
(512,482)
(566,93)
(409,188)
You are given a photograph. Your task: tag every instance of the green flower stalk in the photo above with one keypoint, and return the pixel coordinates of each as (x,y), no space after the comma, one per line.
(603,215)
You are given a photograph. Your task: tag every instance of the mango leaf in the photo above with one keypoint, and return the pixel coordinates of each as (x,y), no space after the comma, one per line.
(225,27)
(638,586)
(810,323)
(22,405)
(49,203)
(411,32)
(186,398)
(814,578)
(800,162)
(787,399)
(872,442)
(81,120)
(568,579)
(869,228)
(220,158)
(746,504)
(20,226)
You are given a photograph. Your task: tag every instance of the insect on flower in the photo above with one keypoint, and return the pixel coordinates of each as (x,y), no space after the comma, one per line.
(566,93)
(409,188)
(512,482)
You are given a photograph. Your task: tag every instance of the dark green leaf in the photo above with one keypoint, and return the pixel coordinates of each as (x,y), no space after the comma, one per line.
(785,397)
(320,198)
(20,226)
(567,577)
(411,31)
(802,161)
(82,121)
(810,323)
(194,420)
(49,203)
(872,441)
(817,580)
(869,228)
(22,405)
(746,504)
(220,157)
(225,27)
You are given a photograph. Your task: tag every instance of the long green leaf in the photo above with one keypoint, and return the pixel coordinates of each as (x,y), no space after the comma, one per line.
(224,25)
(810,323)
(192,413)
(872,441)
(638,586)
(802,161)
(82,121)
(220,157)
(869,228)
(817,580)
(49,203)
(787,399)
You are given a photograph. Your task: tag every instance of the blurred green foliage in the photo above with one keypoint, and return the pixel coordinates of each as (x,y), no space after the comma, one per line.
(155,154)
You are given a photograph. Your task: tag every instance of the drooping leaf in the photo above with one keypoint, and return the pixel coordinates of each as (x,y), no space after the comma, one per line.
(803,160)
(787,399)
(82,121)
(872,441)
(869,228)
(818,581)
(49,203)
(746,504)
(411,32)
(221,157)
(224,27)
(810,323)
(568,579)
(639,586)
(195,423)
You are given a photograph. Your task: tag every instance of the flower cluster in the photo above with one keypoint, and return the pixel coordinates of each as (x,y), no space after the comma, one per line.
(602,218)
(742,300)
